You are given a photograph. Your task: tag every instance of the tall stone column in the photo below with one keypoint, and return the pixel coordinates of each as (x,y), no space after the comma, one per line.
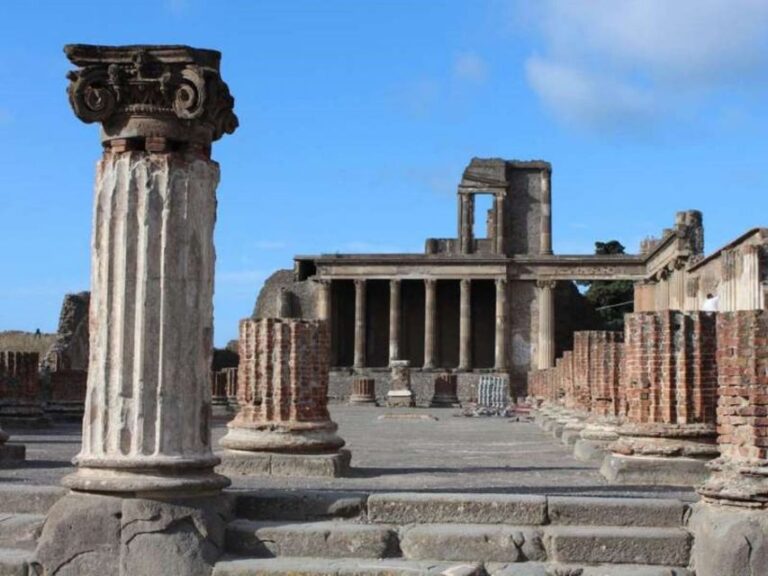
(323,299)
(359,324)
(501,229)
(500,342)
(546,324)
(394,319)
(146,431)
(430,323)
(546,213)
(466,222)
(465,325)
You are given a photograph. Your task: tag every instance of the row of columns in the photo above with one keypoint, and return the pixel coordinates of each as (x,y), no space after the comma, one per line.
(430,321)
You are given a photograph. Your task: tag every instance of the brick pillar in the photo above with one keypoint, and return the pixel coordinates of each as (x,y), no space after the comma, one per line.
(445,391)
(146,431)
(730,524)
(670,379)
(363,391)
(282,390)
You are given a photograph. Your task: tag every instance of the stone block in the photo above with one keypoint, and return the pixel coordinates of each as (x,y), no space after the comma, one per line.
(408,508)
(647,470)
(12,454)
(564,510)
(14,562)
(400,399)
(239,462)
(299,505)
(330,539)
(619,545)
(20,531)
(344,567)
(497,543)
(591,450)
(29,499)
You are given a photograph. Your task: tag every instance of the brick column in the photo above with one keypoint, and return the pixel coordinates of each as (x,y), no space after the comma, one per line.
(147,416)
(360,325)
(18,376)
(670,380)
(394,320)
(465,325)
(283,390)
(500,342)
(730,524)
(546,353)
(430,323)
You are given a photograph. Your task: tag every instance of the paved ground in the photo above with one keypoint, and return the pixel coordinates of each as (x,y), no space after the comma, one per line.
(451,453)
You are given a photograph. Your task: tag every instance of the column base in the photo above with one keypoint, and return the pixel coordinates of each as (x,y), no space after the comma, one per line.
(92,535)
(743,485)
(149,476)
(594,442)
(355,400)
(242,463)
(12,454)
(650,470)
(284,437)
(400,399)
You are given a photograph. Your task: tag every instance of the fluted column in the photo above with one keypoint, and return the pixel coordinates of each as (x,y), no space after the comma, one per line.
(147,414)
(430,323)
(359,324)
(546,324)
(323,300)
(500,343)
(465,325)
(394,319)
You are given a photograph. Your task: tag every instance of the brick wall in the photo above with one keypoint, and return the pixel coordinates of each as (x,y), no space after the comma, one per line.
(283,372)
(742,366)
(670,371)
(19,378)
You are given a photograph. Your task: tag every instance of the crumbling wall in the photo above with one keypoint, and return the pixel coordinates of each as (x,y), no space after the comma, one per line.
(284,297)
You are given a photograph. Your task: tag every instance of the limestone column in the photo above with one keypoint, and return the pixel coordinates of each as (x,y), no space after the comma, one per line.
(394,319)
(500,342)
(501,240)
(146,431)
(546,324)
(465,325)
(466,222)
(323,299)
(430,322)
(360,326)
(546,213)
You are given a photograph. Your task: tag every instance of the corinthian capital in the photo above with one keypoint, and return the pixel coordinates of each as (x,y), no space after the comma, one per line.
(137,92)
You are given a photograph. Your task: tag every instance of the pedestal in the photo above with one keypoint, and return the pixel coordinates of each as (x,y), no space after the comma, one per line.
(363,391)
(446,391)
(400,395)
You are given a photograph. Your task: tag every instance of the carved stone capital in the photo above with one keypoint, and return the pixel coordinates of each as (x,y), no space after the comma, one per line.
(163,93)
(546,284)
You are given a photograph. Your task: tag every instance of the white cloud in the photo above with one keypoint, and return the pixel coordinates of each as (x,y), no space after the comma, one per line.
(470,67)
(639,58)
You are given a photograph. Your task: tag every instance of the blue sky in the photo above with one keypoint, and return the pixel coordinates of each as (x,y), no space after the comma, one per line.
(357,118)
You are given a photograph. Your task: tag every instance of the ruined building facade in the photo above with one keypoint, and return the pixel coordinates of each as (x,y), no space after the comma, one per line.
(499,302)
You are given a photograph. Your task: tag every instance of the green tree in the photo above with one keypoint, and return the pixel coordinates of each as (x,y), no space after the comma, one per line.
(611,298)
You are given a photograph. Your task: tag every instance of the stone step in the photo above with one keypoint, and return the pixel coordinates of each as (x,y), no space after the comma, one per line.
(618,545)
(329,539)
(298,505)
(411,508)
(590,511)
(14,562)
(362,567)
(344,567)
(20,530)
(18,499)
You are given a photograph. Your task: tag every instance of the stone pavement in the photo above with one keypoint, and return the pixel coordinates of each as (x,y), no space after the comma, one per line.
(407,451)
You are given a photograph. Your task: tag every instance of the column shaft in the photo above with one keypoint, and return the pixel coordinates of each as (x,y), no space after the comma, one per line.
(394,319)
(465,325)
(500,343)
(324,299)
(430,323)
(546,324)
(360,324)
(546,214)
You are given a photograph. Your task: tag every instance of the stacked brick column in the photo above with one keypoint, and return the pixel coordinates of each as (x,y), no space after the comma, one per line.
(282,392)
(669,379)
(730,524)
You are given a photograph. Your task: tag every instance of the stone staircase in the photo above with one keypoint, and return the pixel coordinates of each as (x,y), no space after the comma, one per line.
(314,533)
(334,534)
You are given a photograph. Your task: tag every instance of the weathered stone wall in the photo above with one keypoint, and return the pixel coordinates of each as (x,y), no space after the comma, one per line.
(742,367)
(284,297)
